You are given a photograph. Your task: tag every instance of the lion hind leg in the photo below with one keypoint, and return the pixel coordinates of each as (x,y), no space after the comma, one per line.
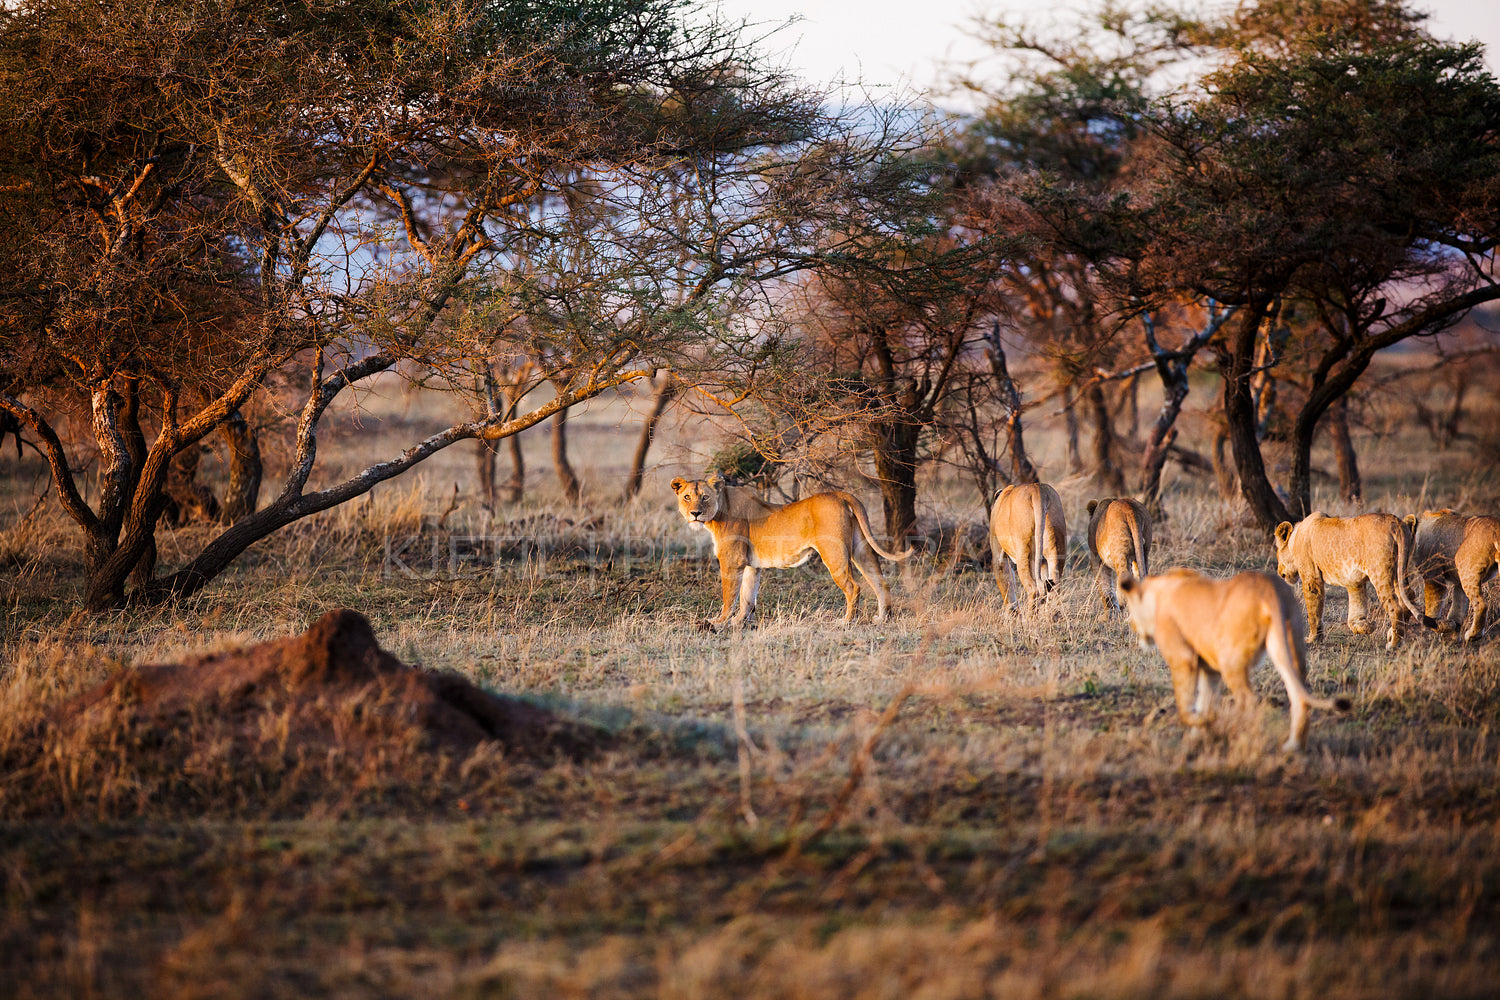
(1108,586)
(1209,683)
(1473,588)
(1024,563)
(997,564)
(837,562)
(1386,591)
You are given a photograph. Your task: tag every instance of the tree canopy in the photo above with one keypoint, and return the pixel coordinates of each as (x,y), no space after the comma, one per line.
(212,200)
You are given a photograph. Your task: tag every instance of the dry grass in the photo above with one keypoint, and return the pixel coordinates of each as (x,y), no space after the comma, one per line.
(1031,822)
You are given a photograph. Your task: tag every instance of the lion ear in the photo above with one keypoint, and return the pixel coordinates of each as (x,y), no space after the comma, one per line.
(1410,520)
(678,484)
(714,480)
(1129,584)
(1283,531)
(1093,504)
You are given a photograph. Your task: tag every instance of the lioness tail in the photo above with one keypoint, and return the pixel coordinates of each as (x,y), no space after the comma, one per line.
(858,507)
(1403,557)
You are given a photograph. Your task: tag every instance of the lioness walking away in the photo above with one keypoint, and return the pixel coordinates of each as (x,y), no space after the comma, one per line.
(1209,630)
(750,535)
(1120,542)
(1028,530)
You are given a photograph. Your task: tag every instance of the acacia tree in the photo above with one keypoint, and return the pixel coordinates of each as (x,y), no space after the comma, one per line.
(207,200)
(1053,156)
(903,336)
(1350,171)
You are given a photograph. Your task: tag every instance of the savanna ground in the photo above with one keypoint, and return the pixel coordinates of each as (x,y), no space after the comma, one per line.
(968,801)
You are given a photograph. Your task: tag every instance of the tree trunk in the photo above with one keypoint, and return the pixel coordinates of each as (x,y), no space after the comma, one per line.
(10,424)
(1237,363)
(1106,472)
(1442,423)
(566,477)
(1344,454)
(1070,419)
(188,499)
(1172,368)
(242,492)
(896,466)
(1224,474)
(1330,384)
(484,454)
(514,488)
(1163,434)
(135,541)
(1130,403)
(1022,471)
(659,403)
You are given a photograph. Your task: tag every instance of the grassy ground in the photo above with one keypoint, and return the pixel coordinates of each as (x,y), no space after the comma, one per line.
(968,801)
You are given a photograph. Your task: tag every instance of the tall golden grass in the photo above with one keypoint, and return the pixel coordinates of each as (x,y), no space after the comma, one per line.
(968,801)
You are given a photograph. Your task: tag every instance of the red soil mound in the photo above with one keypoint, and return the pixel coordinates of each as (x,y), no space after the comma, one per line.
(334,684)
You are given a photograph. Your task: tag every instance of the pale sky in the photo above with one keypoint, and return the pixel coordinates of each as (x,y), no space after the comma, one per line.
(899,45)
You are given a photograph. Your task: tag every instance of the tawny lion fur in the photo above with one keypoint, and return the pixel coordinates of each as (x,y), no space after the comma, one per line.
(1455,554)
(1211,630)
(1028,530)
(1347,552)
(750,535)
(1119,539)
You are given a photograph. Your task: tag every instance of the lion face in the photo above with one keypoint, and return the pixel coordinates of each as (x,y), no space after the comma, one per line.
(1284,566)
(697,500)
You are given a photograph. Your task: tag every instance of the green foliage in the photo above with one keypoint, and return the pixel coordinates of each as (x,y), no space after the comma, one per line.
(1355,164)
(743,462)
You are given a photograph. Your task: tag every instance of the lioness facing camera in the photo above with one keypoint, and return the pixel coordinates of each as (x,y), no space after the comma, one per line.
(1207,629)
(751,536)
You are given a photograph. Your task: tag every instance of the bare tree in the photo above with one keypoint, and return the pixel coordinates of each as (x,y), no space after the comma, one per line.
(1172,368)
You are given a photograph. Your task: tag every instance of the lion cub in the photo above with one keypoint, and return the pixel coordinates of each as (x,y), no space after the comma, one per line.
(750,535)
(1211,630)
(1347,551)
(1455,554)
(1027,528)
(1120,541)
